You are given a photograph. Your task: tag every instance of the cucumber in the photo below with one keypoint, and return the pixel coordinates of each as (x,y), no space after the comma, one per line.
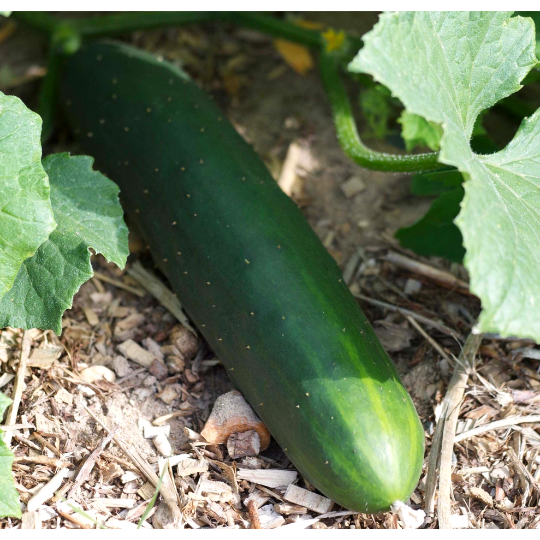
(251,273)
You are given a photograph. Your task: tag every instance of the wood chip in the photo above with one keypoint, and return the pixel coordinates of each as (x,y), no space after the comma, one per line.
(272,478)
(91,316)
(289,509)
(136,353)
(151,431)
(113,523)
(269,518)
(146,491)
(481,495)
(47,491)
(134,320)
(257,499)
(163,446)
(303,497)
(31,520)
(210,486)
(188,467)
(116,503)
(168,395)
(353,186)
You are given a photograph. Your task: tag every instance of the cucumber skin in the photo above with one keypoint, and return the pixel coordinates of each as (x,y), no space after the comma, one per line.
(251,273)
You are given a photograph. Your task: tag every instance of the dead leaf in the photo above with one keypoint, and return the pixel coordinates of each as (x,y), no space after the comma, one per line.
(484,410)
(297,56)
(393,336)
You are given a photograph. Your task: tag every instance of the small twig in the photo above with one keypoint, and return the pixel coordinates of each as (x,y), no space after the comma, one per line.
(498,424)
(119,284)
(159,291)
(253,515)
(431,341)
(15,427)
(166,417)
(86,467)
(524,471)
(443,439)
(28,443)
(43,460)
(435,274)
(124,462)
(407,313)
(48,445)
(18,387)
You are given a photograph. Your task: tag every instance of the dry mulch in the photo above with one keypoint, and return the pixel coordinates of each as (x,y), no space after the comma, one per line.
(74,430)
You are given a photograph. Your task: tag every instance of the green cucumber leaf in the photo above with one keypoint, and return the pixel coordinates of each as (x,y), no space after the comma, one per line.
(89,215)
(417,131)
(437,182)
(26,216)
(448,67)
(435,234)
(9,498)
(377,110)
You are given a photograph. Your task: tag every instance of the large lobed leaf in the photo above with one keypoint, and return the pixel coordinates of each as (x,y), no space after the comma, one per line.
(26,217)
(89,215)
(9,498)
(448,67)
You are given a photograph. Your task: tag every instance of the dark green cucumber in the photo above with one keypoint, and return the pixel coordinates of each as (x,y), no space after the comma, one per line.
(251,273)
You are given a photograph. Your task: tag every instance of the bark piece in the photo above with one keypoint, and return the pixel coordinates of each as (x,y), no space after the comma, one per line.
(175,364)
(303,497)
(159,370)
(247,443)
(120,366)
(135,352)
(168,395)
(153,347)
(232,414)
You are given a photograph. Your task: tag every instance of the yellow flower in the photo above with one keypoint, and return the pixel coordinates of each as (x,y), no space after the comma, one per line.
(334,40)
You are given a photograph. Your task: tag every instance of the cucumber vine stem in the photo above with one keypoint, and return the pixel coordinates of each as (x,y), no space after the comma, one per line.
(347,133)
(330,65)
